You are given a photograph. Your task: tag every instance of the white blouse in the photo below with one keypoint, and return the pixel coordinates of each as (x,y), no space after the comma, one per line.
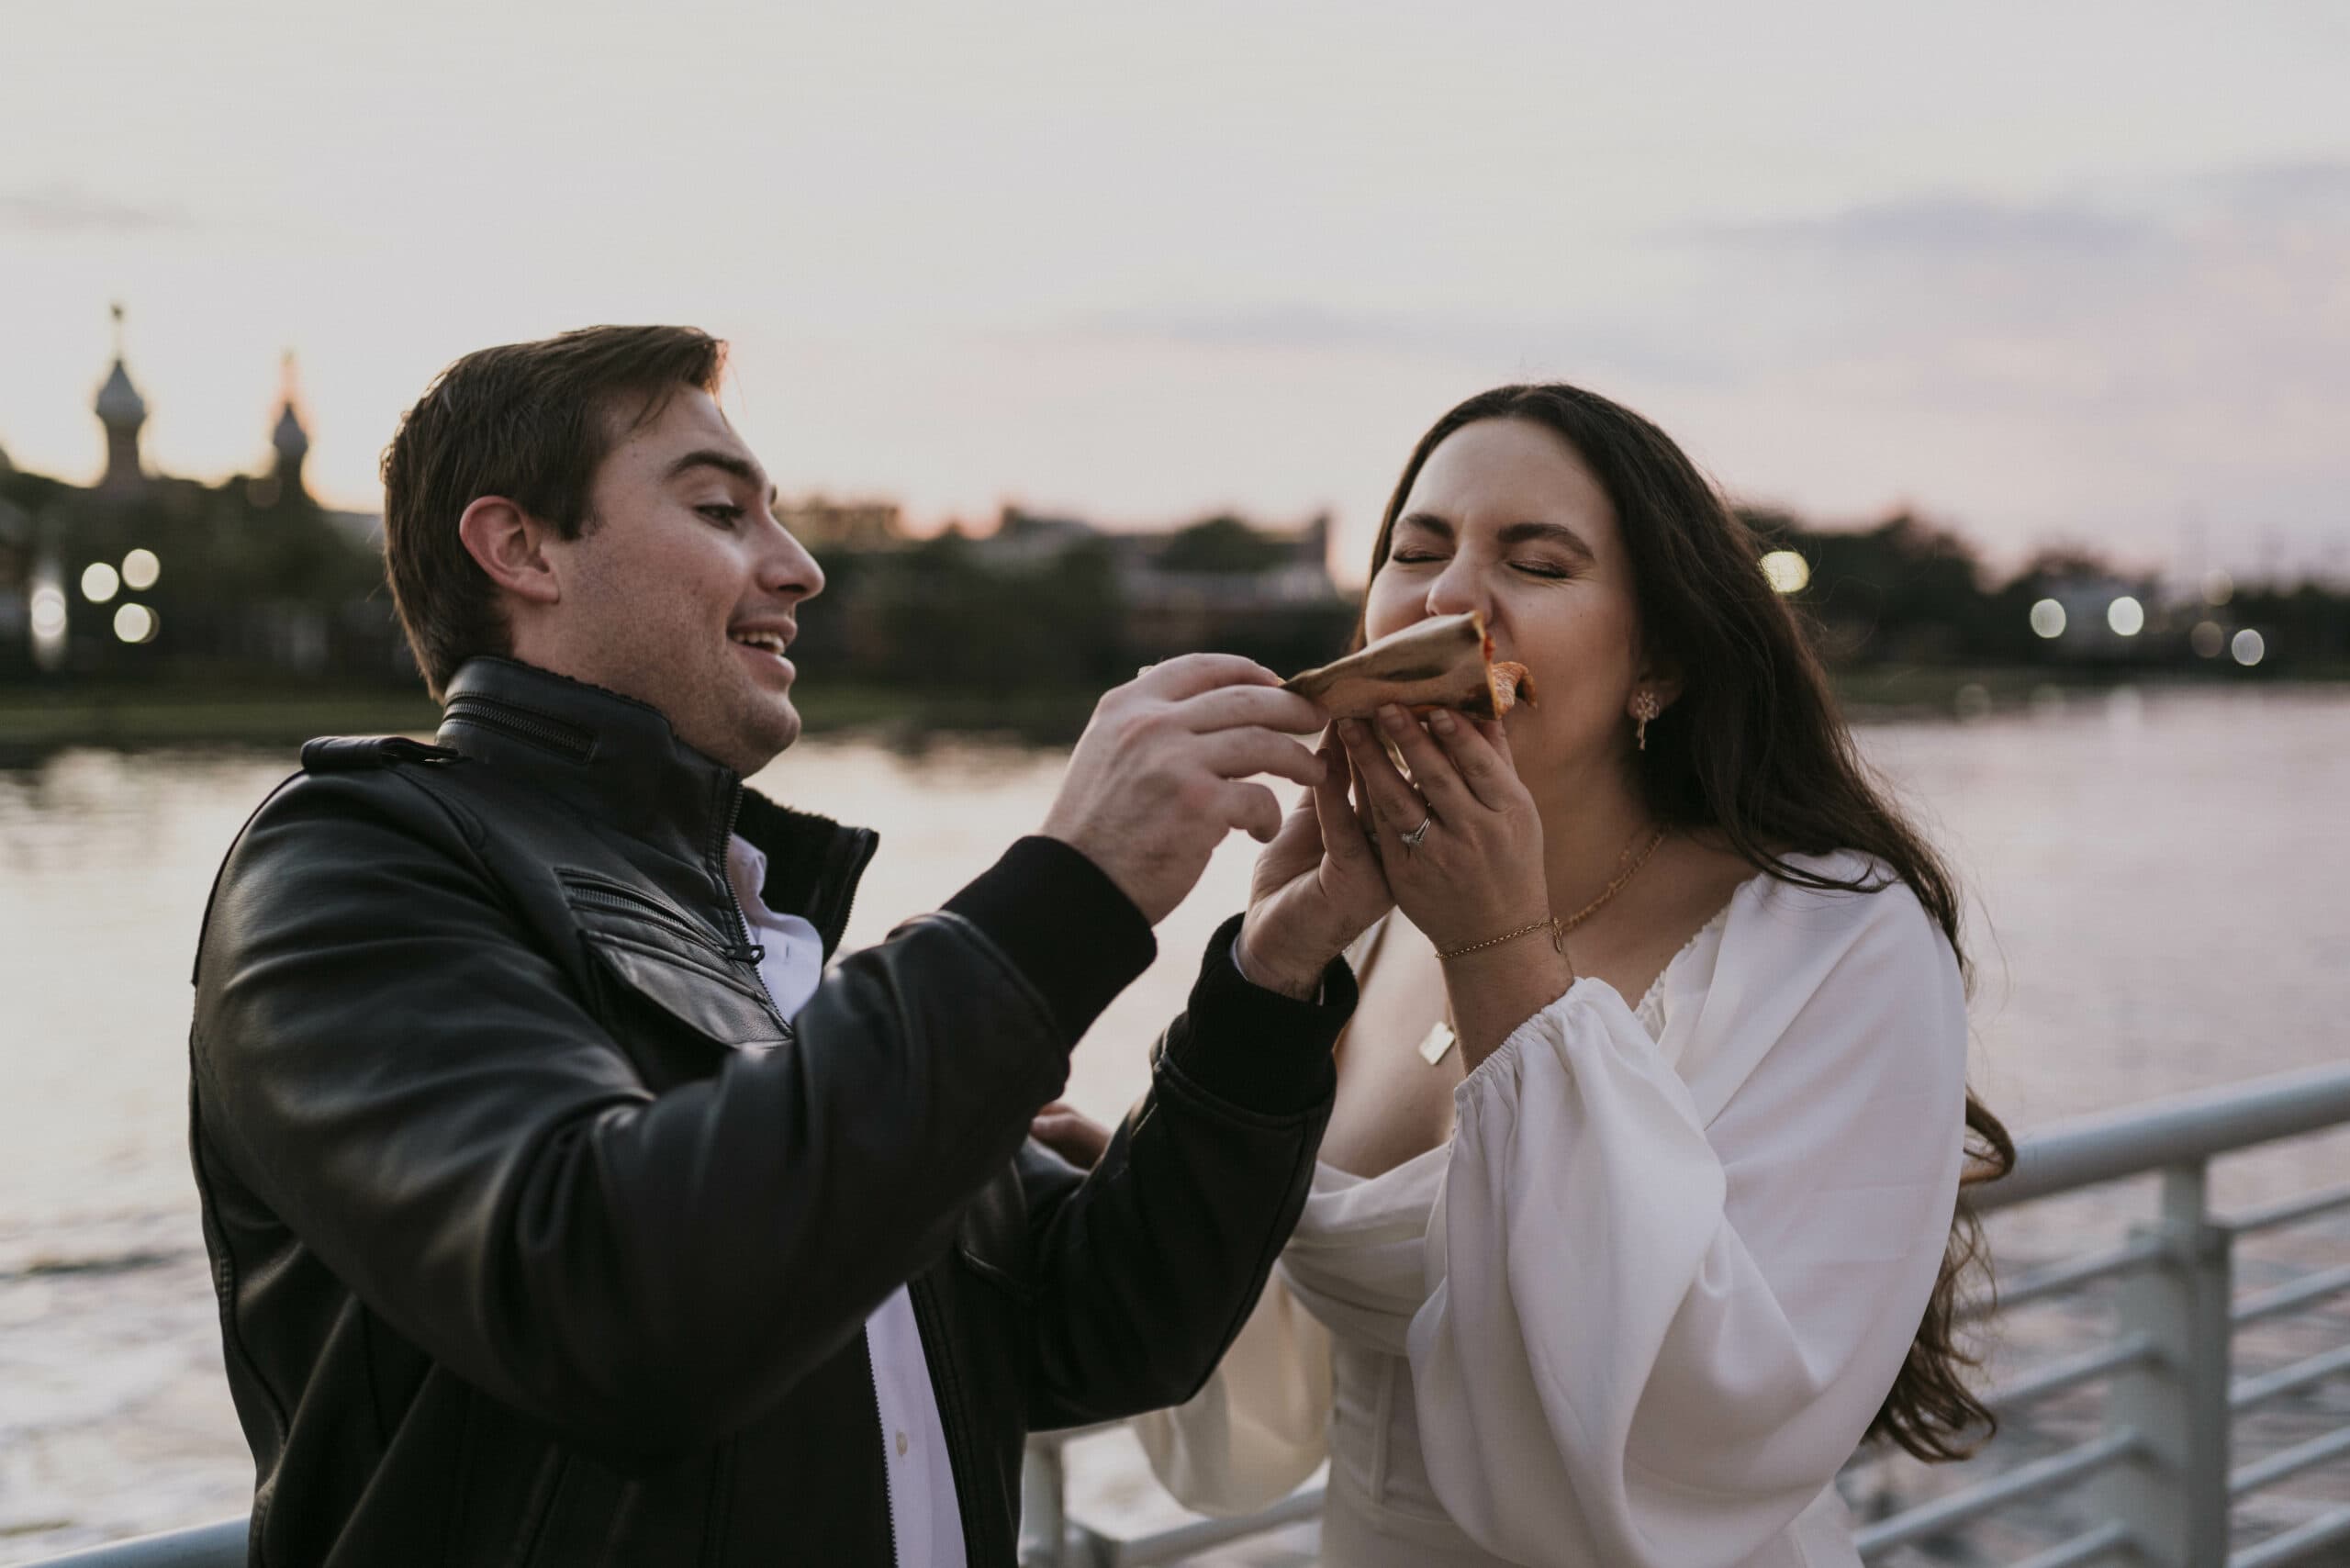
(1644,1306)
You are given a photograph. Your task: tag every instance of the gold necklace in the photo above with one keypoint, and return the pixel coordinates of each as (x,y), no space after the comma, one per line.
(1560,928)
(1441,1037)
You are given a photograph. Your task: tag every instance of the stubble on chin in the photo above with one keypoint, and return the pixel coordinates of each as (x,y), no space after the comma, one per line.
(734,721)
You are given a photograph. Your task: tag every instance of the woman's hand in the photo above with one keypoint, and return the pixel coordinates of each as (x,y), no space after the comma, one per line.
(1317,888)
(1477,871)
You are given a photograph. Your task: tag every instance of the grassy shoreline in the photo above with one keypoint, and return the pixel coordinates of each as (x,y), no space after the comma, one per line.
(34,721)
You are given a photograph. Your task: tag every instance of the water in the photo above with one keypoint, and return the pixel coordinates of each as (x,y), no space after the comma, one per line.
(2159,875)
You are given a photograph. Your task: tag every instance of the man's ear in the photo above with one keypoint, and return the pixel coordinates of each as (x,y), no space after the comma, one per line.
(509,544)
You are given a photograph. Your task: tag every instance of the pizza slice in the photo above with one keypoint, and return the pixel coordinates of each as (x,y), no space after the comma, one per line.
(1446,661)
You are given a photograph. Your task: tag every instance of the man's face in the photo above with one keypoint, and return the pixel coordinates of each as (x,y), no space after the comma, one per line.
(683,591)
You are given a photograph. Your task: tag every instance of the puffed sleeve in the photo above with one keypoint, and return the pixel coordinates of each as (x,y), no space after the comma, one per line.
(1665,1306)
(1258,1427)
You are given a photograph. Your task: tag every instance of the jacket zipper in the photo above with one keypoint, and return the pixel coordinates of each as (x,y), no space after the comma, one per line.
(716,864)
(715,857)
(632,904)
(888,1480)
(946,1388)
(553,733)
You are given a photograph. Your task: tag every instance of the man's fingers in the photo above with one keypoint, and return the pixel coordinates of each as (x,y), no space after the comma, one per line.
(1261,707)
(1364,816)
(1245,753)
(1394,805)
(1344,839)
(1253,809)
(1193,673)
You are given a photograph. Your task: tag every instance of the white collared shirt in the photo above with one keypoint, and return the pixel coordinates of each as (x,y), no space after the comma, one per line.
(926,1520)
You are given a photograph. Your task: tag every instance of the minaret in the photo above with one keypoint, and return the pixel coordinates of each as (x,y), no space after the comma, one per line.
(122,411)
(292,442)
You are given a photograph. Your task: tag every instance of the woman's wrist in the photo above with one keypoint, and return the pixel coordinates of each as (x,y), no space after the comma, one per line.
(1495,990)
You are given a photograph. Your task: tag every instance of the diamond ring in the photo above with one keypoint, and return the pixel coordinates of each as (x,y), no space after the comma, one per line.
(1412,839)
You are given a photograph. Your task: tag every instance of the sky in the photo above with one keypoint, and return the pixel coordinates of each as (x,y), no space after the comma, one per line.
(2075,273)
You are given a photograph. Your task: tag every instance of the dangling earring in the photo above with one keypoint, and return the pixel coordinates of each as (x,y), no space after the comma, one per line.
(1644,708)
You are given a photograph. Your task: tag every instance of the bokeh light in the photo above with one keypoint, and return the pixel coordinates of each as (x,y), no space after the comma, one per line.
(99,582)
(2208,640)
(2048,618)
(2249,647)
(2126,616)
(2218,588)
(48,612)
(135,623)
(140,570)
(1787,572)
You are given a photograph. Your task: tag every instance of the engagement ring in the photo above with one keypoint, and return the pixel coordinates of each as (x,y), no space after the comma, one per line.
(1412,839)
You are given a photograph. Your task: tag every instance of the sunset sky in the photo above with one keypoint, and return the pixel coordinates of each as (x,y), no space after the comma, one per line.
(2075,271)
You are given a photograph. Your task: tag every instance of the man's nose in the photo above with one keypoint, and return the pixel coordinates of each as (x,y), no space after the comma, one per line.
(789,569)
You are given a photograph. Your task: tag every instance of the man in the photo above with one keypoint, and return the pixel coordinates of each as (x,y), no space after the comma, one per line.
(561,1207)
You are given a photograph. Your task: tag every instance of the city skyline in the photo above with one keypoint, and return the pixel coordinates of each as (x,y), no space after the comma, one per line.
(2081,275)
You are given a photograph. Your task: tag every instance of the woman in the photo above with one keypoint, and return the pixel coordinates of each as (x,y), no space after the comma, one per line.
(1636,1211)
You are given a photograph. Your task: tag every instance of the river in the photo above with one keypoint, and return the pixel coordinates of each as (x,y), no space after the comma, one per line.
(2159,878)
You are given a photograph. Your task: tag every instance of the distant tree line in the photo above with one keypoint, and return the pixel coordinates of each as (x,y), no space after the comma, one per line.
(1907,592)
(260,585)
(253,582)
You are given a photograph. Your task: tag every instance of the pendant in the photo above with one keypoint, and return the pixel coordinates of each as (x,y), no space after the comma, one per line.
(1439,1040)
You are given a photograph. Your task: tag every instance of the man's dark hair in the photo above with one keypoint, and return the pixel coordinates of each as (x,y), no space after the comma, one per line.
(528,422)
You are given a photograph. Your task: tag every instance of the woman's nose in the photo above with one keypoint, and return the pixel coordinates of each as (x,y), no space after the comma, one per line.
(1456,590)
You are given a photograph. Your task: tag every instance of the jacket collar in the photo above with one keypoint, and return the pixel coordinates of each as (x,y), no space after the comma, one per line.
(617,760)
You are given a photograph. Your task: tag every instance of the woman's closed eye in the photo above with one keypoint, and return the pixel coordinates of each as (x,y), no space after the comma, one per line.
(1549,571)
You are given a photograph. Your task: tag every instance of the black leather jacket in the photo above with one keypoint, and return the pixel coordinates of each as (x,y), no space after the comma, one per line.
(520,1260)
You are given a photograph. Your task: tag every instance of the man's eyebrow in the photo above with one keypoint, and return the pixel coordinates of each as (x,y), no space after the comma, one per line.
(724,461)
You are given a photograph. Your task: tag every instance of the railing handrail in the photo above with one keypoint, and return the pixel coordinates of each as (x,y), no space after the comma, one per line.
(2110,1145)
(2177,1131)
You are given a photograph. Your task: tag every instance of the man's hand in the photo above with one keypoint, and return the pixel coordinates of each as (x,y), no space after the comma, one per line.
(1072,1134)
(1317,887)
(1158,777)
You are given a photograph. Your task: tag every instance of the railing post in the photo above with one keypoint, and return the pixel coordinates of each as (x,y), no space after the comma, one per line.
(2174,1496)
(1044,1506)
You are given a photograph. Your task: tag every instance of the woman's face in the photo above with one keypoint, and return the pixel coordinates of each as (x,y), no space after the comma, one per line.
(1505,518)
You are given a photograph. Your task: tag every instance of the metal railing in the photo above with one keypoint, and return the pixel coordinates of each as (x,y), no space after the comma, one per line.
(2158,1475)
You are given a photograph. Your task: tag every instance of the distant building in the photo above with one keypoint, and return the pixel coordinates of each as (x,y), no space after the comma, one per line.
(1218,564)
(123,413)
(248,572)
(1218,583)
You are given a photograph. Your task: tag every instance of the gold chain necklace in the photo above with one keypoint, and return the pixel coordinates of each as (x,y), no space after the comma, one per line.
(1561,927)
(1439,1038)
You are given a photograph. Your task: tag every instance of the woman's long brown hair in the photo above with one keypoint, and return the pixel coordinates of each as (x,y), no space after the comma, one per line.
(1756,751)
